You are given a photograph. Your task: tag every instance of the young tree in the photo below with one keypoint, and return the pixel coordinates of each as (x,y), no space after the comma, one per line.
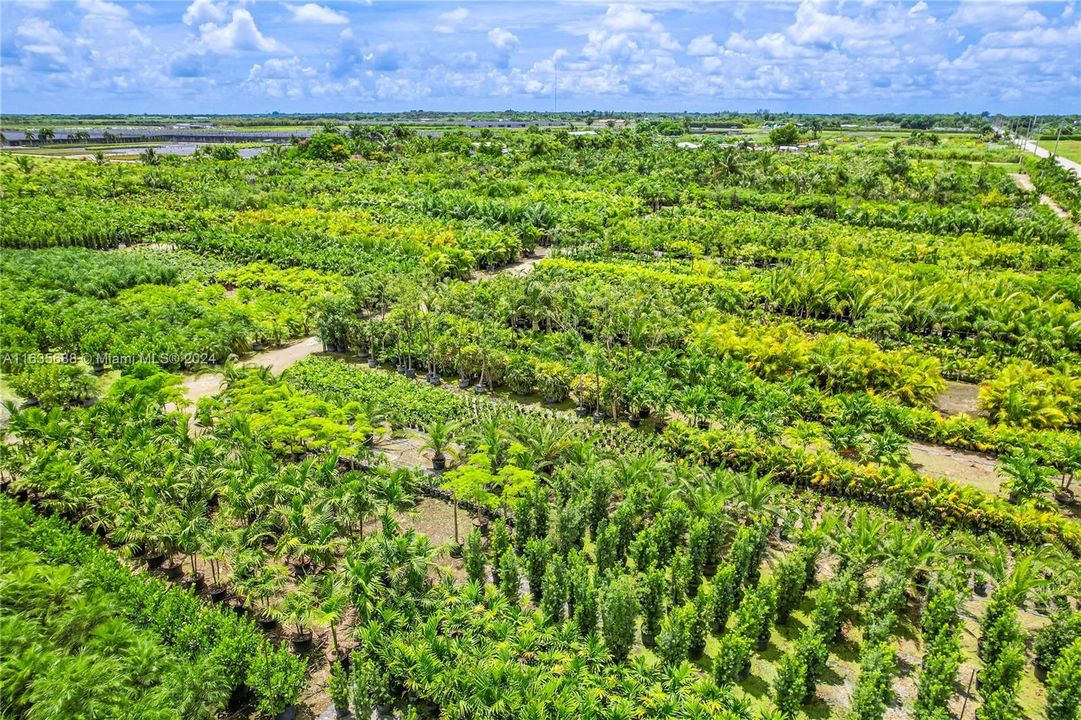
(1064,685)
(653,597)
(510,577)
(733,658)
(537,552)
(584,594)
(474,557)
(789,686)
(554,591)
(619,614)
(674,641)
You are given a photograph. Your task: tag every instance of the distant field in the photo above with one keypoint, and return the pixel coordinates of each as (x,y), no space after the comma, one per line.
(1069,149)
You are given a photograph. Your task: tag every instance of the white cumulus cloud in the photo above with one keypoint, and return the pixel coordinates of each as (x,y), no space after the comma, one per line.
(203,11)
(316,14)
(239,34)
(450,20)
(502,39)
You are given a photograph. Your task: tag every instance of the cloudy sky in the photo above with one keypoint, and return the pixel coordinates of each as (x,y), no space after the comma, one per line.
(222,56)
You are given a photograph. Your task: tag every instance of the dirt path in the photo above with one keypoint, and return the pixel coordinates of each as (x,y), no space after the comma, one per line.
(518,269)
(209,383)
(1025,183)
(960,466)
(958,398)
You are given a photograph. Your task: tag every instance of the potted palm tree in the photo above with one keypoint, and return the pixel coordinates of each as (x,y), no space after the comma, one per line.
(258,585)
(216,547)
(439,436)
(298,608)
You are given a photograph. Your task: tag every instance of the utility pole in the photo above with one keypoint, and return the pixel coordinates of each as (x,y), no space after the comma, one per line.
(1024,143)
(1054,153)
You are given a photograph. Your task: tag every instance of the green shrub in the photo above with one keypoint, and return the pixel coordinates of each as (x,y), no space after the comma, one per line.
(790,685)
(1064,685)
(1064,629)
(619,613)
(673,644)
(878,663)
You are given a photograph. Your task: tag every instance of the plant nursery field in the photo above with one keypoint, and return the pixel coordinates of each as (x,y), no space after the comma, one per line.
(540,424)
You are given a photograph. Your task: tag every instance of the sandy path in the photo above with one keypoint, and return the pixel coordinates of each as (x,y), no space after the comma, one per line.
(958,398)
(518,269)
(1025,183)
(960,466)
(278,360)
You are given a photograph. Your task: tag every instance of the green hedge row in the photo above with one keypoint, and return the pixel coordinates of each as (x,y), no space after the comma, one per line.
(193,629)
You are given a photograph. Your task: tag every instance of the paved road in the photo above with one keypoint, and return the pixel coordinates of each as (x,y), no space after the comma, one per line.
(1038,151)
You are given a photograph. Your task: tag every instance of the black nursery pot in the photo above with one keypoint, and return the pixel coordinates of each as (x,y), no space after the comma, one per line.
(218,593)
(373,363)
(581,411)
(634,421)
(464,383)
(410,373)
(265,622)
(154,562)
(439,463)
(478,389)
(301,643)
(434,380)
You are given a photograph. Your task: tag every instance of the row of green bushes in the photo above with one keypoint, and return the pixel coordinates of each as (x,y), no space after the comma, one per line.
(229,646)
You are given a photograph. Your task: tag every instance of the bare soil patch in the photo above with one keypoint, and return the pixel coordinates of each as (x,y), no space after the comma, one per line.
(280,359)
(959,465)
(435,519)
(958,398)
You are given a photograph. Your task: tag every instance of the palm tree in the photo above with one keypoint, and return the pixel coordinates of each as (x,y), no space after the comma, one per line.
(194,529)
(439,436)
(756,494)
(393,490)
(299,607)
(545,439)
(46,134)
(490,437)
(1026,478)
(364,580)
(333,602)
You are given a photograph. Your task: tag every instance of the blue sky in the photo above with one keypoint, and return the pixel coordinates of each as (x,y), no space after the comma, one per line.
(227,56)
